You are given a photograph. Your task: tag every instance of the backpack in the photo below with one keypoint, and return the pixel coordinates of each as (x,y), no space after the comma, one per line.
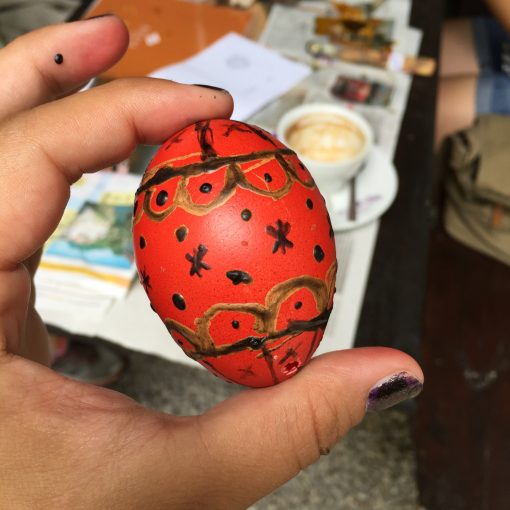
(477,208)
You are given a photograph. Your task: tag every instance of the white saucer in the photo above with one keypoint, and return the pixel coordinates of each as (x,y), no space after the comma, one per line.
(376,188)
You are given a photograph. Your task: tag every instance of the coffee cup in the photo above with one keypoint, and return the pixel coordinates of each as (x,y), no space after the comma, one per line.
(330,140)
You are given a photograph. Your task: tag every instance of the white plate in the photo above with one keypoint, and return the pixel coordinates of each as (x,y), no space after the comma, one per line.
(376,188)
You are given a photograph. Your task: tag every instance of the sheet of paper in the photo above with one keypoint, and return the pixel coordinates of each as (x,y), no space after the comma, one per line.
(253,74)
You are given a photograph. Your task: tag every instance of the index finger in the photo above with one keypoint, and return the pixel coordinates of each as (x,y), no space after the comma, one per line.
(46,149)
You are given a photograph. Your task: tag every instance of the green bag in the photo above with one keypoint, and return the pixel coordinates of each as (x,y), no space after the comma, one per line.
(477,211)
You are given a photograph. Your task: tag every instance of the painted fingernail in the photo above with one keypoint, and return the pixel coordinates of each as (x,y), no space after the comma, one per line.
(211,87)
(102,15)
(392,390)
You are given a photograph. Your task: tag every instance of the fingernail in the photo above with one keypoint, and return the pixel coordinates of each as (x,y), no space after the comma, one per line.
(102,15)
(211,87)
(392,390)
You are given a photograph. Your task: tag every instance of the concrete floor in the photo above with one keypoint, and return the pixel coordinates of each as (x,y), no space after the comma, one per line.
(372,469)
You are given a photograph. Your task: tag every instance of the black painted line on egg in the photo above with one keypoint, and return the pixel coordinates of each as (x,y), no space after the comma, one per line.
(268,357)
(253,342)
(169,172)
(206,140)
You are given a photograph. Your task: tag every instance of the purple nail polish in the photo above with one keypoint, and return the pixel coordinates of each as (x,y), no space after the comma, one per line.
(392,390)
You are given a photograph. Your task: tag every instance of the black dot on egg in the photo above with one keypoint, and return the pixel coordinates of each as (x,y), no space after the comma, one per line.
(206,187)
(268,178)
(254,342)
(181,233)
(309,203)
(246,214)
(318,253)
(298,305)
(135,207)
(58,58)
(179,302)
(235,324)
(143,243)
(161,198)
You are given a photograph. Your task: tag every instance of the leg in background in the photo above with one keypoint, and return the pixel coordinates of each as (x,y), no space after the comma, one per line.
(456,106)
(459,70)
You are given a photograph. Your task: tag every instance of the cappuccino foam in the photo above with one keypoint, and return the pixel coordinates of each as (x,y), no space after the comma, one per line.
(325,137)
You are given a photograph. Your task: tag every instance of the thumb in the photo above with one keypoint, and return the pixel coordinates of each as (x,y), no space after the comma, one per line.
(262,438)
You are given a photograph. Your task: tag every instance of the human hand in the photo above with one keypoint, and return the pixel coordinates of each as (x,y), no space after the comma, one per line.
(64,444)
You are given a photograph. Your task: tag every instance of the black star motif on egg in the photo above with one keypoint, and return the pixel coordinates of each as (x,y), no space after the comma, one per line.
(280,234)
(197,263)
(145,280)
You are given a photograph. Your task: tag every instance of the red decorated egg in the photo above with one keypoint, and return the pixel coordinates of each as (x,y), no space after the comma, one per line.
(235,250)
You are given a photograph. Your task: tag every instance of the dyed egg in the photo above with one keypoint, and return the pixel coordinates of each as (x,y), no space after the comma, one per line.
(235,250)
